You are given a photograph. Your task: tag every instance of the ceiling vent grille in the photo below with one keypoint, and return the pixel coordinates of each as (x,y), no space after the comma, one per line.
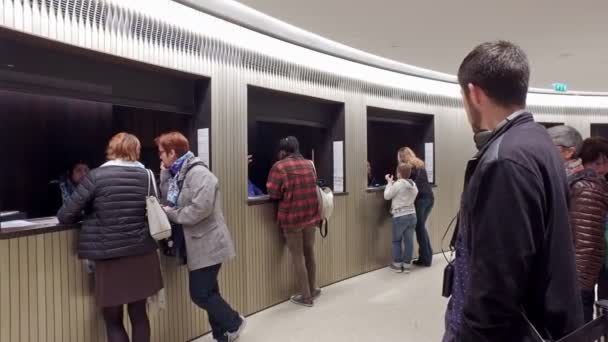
(111,20)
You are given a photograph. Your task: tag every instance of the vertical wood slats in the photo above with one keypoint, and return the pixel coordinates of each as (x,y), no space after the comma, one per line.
(44,300)
(45,294)
(44,290)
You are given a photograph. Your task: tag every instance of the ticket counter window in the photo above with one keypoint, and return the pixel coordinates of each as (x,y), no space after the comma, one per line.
(318,124)
(387,132)
(54,118)
(599,130)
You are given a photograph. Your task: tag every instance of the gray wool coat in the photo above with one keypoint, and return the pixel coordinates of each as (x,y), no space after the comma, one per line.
(199,211)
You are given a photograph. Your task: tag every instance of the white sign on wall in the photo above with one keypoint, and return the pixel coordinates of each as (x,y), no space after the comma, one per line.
(203,145)
(429,160)
(338,166)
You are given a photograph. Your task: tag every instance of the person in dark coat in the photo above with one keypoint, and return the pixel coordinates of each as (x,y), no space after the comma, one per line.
(424,204)
(588,210)
(514,248)
(115,235)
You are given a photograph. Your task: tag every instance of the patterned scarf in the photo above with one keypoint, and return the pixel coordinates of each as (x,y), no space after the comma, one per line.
(175,169)
(67,188)
(573,166)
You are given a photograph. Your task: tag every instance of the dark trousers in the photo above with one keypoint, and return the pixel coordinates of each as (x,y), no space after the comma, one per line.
(423,210)
(205,292)
(301,245)
(588,297)
(602,286)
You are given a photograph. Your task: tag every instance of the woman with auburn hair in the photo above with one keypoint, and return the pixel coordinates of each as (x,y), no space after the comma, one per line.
(424,204)
(116,236)
(192,195)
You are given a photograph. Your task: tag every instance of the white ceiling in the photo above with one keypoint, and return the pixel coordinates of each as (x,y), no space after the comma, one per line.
(566,41)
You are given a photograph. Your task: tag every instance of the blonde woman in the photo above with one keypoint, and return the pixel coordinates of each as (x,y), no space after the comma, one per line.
(424,204)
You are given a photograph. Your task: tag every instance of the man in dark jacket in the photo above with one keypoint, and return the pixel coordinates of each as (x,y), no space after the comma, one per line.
(588,209)
(514,250)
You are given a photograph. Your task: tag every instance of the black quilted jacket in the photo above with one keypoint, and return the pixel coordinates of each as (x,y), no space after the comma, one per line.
(113,199)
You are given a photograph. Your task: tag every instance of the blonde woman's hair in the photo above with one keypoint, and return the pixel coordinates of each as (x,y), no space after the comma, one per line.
(407,155)
(123,146)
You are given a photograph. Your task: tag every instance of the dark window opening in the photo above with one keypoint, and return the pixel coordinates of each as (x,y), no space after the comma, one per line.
(388,131)
(273,115)
(66,109)
(599,130)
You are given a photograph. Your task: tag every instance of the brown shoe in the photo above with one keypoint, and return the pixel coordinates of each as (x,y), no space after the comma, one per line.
(298,299)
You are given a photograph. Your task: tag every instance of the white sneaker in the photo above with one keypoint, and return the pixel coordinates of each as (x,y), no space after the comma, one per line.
(407,267)
(233,336)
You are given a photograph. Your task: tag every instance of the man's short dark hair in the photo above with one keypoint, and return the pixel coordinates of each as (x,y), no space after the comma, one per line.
(289,145)
(499,68)
(593,148)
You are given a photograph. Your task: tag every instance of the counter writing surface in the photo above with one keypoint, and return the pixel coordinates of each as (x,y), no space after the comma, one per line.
(26,227)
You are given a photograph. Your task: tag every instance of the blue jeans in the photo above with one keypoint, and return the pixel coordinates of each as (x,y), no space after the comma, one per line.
(403,234)
(423,210)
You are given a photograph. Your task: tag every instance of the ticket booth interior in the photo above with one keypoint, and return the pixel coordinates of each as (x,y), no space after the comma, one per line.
(60,105)
(274,115)
(387,132)
(599,130)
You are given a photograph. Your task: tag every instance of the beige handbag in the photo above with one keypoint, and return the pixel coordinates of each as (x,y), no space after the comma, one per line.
(158,222)
(325,196)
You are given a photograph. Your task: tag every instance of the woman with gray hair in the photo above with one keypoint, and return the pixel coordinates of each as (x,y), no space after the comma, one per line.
(568,141)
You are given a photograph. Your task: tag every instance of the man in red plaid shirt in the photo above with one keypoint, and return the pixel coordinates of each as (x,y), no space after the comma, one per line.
(293,181)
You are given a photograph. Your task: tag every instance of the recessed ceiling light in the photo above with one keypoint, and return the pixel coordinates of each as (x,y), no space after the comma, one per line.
(566,55)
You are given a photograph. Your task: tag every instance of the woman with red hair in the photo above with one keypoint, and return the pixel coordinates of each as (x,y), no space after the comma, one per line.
(192,193)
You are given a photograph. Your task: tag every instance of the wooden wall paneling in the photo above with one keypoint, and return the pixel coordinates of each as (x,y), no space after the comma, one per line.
(65,286)
(56,295)
(357,234)
(33,285)
(61,297)
(42,283)
(23,290)
(380,226)
(49,288)
(229,157)
(15,287)
(5,291)
(79,275)
(268,266)
(72,290)
(337,254)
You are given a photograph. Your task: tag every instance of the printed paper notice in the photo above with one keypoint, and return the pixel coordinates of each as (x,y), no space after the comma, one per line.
(16,224)
(338,166)
(203,145)
(429,161)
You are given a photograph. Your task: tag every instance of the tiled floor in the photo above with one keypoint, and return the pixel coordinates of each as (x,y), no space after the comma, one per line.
(378,306)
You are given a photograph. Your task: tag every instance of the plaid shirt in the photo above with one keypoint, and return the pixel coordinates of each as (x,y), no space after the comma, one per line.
(293,181)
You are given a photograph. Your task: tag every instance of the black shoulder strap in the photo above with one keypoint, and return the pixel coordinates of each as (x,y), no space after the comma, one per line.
(323,228)
(197,163)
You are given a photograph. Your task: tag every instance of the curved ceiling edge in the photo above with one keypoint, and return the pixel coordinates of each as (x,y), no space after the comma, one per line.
(252,19)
